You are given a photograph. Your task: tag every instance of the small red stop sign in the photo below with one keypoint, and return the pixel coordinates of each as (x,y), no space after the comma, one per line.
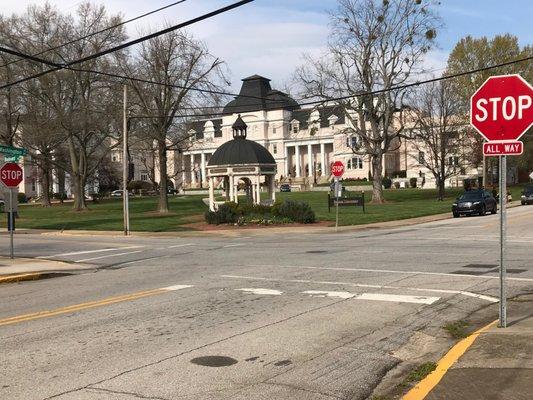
(11,175)
(337,169)
(502,108)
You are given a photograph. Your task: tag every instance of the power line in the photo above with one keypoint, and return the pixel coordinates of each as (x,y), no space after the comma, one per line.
(98,32)
(378,91)
(125,77)
(132,42)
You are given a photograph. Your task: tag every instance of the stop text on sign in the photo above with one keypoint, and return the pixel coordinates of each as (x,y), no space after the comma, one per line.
(509,108)
(11,175)
(503,148)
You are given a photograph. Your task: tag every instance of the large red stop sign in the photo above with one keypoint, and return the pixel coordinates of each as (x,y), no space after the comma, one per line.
(502,108)
(11,175)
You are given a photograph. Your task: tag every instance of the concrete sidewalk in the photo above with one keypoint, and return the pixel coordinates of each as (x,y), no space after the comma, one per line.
(22,269)
(499,365)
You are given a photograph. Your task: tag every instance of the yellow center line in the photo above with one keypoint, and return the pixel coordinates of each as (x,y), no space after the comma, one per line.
(81,306)
(426,385)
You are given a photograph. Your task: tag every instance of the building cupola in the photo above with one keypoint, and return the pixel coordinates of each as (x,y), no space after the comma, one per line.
(239,129)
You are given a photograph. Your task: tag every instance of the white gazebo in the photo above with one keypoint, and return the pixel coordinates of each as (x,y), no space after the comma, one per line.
(241,160)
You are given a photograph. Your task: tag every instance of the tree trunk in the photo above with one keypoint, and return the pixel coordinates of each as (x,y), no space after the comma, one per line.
(163,184)
(440,187)
(377,179)
(79,193)
(45,185)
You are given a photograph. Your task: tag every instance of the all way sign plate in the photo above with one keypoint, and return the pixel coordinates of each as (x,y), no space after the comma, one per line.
(514,148)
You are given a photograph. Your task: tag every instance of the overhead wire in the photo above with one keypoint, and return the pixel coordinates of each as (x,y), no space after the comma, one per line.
(379,91)
(124,77)
(131,42)
(109,28)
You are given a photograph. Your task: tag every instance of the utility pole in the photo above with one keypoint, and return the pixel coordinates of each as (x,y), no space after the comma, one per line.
(125,165)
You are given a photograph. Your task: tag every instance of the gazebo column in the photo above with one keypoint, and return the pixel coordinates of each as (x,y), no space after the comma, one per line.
(212,194)
(235,190)
(297,160)
(230,186)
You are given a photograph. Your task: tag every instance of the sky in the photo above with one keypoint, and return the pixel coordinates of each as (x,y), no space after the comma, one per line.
(268,37)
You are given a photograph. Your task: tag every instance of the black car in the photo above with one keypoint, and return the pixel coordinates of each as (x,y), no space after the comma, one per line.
(474,202)
(527,195)
(284,187)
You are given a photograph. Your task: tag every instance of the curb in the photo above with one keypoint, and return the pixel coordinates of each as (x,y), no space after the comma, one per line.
(426,385)
(20,278)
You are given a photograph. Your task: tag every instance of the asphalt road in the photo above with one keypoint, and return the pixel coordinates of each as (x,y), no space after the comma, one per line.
(270,316)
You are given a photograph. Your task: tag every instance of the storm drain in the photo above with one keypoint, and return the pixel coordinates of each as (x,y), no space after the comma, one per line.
(214,361)
(484,266)
(475,273)
(515,270)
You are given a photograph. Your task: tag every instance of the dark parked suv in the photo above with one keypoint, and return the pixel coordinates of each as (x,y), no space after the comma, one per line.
(527,195)
(474,202)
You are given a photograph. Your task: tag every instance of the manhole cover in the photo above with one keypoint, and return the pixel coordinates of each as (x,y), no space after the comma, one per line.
(316,251)
(214,361)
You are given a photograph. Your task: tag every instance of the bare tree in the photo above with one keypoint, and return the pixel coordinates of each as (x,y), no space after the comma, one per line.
(180,64)
(86,104)
(437,132)
(10,108)
(375,45)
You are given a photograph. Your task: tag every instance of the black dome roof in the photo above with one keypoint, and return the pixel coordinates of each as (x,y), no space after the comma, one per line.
(256,94)
(241,151)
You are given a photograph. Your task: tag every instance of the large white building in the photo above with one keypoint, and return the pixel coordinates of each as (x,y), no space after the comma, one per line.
(304,142)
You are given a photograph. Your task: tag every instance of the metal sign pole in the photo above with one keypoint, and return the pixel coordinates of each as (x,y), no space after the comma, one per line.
(11,223)
(503,222)
(337,206)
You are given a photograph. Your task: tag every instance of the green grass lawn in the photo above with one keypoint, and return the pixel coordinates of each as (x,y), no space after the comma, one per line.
(401,204)
(107,214)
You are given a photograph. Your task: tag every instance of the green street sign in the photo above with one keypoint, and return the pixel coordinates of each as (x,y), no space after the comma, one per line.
(12,151)
(11,158)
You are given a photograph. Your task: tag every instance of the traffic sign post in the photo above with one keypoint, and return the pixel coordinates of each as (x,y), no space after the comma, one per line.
(11,176)
(501,110)
(337,169)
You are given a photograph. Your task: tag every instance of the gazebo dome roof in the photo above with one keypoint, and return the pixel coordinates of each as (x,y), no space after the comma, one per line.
(241,151)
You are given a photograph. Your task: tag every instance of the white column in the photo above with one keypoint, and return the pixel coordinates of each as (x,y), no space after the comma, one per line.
(323,159)
(193,176)
(183,173)
(231,188)
(297,160)
(212,194)
(310,160)
(204,177)
(286,161)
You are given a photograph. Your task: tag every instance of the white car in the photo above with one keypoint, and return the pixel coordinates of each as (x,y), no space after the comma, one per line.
(116,193)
